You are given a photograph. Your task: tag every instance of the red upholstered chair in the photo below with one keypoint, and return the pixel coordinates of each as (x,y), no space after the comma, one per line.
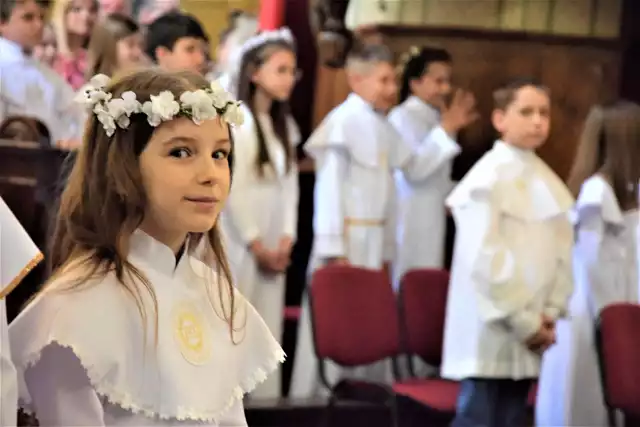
(619,358)
(422,305)
(355,323)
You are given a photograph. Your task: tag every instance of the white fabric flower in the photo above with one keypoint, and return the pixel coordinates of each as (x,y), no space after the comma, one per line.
(233,114)
(162,107)
(199,105)
(99,81)
(103,116)
(219,96)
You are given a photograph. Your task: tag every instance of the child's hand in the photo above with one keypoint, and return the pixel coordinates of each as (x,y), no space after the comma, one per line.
(268,261)
(544,338)
(460,113)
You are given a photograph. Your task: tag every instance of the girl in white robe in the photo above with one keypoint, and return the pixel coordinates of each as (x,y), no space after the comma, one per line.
(18,256)
(605,177)
(261,218)
(140,324)
(426,82)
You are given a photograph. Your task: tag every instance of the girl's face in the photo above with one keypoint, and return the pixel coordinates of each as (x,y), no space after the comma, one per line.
(278,74)
(46,51)
(81,16)
(186,176)
(129,51)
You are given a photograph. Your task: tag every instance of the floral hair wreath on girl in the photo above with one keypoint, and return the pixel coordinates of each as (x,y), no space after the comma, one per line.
(198,105)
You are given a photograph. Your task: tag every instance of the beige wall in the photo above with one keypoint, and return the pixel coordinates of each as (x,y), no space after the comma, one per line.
(568,17)
(213,13)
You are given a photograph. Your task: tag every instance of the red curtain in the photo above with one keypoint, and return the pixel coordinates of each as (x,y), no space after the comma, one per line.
(271,14)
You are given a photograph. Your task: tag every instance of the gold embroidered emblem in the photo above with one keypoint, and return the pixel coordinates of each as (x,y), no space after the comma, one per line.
(190,334)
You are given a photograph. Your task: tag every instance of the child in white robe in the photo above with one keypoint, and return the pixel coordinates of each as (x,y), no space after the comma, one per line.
(140,323)
(511,275)
(356,149)
(425,85)
(605,179)
(29,87)
(241,27)
(261,217)
(18,256)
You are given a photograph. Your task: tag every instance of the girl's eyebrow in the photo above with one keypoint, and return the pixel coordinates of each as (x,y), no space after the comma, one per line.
(174,139)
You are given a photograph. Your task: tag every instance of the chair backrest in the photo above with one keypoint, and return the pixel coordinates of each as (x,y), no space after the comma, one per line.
(619,356)
(354,316)
(28,181)
(422,305)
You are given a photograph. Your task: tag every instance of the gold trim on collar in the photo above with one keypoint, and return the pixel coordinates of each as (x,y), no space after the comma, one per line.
(23,273)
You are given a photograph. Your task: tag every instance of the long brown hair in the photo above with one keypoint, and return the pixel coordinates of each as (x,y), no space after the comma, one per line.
(104,202)
(102,55)
(610,146)
(251,61)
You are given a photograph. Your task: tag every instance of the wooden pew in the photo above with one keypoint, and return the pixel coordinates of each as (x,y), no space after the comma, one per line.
(28,182)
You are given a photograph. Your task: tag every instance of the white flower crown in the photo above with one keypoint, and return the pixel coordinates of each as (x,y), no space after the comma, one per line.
(199,105)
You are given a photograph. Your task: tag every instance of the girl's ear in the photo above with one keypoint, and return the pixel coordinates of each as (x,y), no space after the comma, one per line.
(256,76)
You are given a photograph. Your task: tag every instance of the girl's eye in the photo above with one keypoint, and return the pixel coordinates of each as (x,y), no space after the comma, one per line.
(180,153)
(220,154)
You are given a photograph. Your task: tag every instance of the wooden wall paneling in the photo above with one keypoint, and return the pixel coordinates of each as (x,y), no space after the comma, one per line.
(332,89)
(577,78)
(579,72)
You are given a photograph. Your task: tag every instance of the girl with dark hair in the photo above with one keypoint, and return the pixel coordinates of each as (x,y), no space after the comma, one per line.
(140,323)
(261,218)
(604,179)
(426,123)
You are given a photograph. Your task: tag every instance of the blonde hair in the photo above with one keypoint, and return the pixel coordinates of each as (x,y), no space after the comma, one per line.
(102,56)
(104,202)
(58,18)
(610,145)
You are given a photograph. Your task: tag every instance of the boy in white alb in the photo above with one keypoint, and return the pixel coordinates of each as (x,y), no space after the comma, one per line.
(27,86)
(18,255)
(511,276)
(356,149)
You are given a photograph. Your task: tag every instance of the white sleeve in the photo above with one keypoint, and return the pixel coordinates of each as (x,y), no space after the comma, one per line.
(329,215)
(235,416)
(390,226)
(428,155)
(61,392)
(558,300)
(437,149)
(8,378)
(70,114)
(608,279)
(292,194)
(502,296)
(240,209)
